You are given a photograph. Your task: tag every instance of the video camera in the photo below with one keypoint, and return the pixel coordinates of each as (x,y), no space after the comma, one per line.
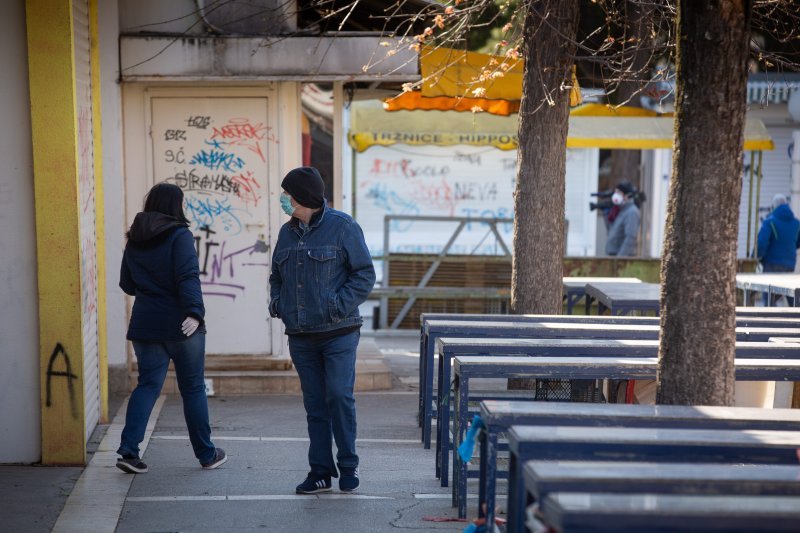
(604,199)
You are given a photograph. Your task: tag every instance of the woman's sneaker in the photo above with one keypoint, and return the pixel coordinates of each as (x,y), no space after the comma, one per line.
(219,457)
(348,479)
(314,484)
(131,465)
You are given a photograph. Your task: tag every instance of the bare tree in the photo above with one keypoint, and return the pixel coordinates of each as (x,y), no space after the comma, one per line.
(635,62)
(624,45)
(698,296)
(549,48)
(538,266)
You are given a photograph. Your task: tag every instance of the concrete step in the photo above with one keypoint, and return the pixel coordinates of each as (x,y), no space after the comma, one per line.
(371,374)
(241,363)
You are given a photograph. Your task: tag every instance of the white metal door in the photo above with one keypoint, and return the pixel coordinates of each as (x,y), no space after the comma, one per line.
(218,150)
(581,182)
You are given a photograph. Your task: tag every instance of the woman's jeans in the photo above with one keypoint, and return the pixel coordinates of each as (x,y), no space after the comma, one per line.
(327,371)
(153,358)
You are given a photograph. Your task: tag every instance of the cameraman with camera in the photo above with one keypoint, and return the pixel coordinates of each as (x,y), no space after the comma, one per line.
(623,233)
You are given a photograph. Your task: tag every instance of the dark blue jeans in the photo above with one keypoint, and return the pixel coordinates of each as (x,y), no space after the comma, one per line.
(327,371)
(153,358)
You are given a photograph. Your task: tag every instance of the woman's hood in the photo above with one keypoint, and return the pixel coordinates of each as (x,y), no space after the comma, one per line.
(149,225)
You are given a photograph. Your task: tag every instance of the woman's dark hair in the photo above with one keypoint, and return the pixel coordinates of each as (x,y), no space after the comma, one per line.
(167,199)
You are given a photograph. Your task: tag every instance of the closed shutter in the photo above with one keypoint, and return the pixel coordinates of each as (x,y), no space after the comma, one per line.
(88,244)
(777,178)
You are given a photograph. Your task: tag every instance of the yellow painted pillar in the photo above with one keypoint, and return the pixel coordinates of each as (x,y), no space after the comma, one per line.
(100,226)
(51,72)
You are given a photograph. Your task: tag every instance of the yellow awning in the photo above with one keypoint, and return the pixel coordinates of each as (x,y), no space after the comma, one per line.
(449,77)
(645,133)
(413,100)
(450,72)
(363,140)
(372,125)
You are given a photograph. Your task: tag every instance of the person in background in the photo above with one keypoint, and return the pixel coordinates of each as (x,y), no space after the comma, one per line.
(160,269)
(778,239)
(321,272)
(623,234)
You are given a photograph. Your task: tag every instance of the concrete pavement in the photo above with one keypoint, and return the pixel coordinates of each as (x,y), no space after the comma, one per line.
(265,437)
(266,442)
(31,497)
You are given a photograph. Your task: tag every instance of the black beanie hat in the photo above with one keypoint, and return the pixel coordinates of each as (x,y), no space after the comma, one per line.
(305,185)
(626,187)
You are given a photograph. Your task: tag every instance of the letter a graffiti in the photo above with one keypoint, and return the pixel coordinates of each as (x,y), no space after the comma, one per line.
(66,373)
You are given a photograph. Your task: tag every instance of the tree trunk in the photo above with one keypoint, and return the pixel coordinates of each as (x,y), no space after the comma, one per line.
(538,262)
(698,296)
(626,164)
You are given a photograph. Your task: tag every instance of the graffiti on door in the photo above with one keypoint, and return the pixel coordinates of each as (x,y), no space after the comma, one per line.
(219,162)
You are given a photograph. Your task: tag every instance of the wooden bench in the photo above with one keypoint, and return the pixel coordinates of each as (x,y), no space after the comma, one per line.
(560,443)
(623,298)
(499,416)
(785,340)
(585,327)
(782,284)
(467,368)
(459,326)
(741,311)
(769,312)
(574,288)
(574,512)
(543,478)
(448,348)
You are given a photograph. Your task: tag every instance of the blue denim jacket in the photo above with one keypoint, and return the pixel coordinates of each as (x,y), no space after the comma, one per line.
(320,275)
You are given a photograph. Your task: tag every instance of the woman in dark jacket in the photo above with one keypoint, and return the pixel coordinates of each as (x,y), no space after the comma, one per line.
(159,268)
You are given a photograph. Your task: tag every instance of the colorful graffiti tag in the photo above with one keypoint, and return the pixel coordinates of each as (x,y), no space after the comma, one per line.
(219,151)
(216,163)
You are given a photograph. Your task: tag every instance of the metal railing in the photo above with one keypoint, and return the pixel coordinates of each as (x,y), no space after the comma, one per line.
(421,289)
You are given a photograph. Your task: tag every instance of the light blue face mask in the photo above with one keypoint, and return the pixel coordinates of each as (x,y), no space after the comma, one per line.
(286,204)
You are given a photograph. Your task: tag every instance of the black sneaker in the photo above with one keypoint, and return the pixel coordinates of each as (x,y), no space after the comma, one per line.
(219,458)
(313,484)
(348,479)
(131,465)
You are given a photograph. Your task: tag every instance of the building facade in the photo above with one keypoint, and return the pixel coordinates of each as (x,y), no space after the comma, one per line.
(105,99)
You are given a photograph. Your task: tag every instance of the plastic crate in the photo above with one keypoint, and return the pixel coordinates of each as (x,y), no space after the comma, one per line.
(568,390)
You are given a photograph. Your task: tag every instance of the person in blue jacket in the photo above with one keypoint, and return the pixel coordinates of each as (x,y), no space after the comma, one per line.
(321,272)
(779,238)
(160,269)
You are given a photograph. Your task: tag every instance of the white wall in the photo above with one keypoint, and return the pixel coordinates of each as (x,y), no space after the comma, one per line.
(20,436)
(173,16)
(459,181)
(776,167)
(348,158)
(113,182)
(776,170)
(658,194)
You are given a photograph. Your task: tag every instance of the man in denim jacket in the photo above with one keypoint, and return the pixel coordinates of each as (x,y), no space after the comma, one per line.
(321,273)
